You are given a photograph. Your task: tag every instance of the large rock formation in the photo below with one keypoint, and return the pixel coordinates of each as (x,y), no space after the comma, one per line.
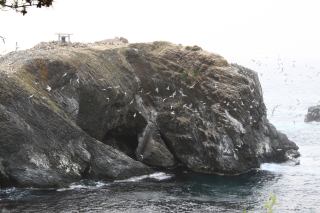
(313,114)
(96,112)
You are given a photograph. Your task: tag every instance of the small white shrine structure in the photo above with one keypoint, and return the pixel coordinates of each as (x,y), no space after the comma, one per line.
(62,37)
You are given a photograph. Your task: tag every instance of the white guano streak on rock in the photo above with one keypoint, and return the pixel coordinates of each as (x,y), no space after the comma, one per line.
(143,108)
(68,166)
(40,160)
(264,146)
(235,123)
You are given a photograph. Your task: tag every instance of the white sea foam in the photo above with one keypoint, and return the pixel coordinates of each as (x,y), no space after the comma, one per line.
(160,176)
(77,186)
(157,176)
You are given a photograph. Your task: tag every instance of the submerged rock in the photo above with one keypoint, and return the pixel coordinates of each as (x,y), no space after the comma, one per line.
(313,114)
(107,112)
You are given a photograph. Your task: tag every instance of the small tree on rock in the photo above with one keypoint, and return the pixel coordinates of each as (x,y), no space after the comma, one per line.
(21,6)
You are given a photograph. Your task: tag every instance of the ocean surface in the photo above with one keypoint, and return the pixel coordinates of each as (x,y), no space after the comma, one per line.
(297,187)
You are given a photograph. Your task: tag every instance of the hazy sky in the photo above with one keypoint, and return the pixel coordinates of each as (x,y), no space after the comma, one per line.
(234,29)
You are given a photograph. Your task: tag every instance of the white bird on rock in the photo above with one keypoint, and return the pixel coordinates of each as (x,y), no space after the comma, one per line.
(64,74)
(48,88)
(168,88)
(30,96)
(13,69)
(192,86)
(172,96)
(157,90)
(182,93)
(135,114)
(147,93)
(131,102)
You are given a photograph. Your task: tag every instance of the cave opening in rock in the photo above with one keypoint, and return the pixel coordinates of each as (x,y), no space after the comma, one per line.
(125,137)
(123,140)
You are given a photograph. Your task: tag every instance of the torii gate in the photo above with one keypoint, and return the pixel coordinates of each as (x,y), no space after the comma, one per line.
(63,38)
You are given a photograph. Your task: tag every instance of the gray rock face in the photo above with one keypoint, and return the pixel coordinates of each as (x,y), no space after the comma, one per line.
(108,112)
(313,114)
(152,150)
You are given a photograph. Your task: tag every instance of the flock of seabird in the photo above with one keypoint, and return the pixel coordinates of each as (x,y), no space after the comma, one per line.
(287,80)
(38,51)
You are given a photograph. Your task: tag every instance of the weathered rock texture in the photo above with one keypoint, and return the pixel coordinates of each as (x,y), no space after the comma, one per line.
(95,113)
(113,41)
(313,114)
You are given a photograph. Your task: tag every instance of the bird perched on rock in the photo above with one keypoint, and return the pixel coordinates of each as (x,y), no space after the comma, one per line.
(192,86)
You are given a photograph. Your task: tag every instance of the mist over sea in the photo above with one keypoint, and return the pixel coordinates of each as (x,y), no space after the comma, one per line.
(297,187)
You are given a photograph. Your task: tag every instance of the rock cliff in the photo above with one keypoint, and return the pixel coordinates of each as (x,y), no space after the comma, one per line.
(111,112)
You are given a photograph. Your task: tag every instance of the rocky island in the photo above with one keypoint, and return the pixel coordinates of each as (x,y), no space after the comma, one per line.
(113,111)
(313,114)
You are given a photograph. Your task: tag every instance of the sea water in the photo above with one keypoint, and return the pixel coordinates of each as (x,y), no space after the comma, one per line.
(297,187)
